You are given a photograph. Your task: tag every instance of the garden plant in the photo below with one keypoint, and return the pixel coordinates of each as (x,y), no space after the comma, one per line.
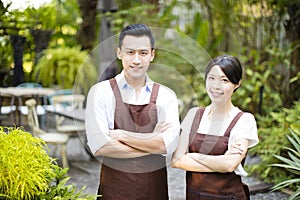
(291,163)
(66,67)
(273,130)
(28,172)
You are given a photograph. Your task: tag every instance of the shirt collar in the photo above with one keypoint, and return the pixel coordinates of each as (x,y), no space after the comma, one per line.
(122,83)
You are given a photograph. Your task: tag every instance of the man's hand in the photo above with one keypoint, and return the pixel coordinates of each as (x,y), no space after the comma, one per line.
(119,134)
(160,128)
(115,134)
(144,142)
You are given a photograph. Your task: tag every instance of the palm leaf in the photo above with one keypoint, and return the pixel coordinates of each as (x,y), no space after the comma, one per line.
(292,164)
(295,140)
(295,194)
(295,159)
(284,184)
(286,160)
(292,169)
(293,151)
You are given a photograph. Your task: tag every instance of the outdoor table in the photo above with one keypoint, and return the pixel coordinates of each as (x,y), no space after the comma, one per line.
(20,93)
(75,114)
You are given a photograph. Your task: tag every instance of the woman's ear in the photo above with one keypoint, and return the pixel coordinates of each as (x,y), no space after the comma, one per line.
(238,85)
(119,55)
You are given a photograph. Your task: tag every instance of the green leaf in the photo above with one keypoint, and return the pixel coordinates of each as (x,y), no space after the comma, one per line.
(295,194)
(285,184)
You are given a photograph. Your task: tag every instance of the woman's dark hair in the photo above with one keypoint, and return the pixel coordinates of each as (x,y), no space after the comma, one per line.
(230,65)
(136,30)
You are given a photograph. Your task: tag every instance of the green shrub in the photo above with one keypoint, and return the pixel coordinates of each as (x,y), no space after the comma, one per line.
(66,67)
(272,131)
(25,167)
(258,93)
(60,190)
(28,172)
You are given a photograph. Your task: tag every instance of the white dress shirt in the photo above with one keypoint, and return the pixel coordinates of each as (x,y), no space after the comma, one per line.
(100,110)
(245,128)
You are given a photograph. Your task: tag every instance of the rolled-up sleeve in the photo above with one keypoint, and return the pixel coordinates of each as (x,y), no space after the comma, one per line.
(168,112)
(96,124)
(245,128)
(171,140)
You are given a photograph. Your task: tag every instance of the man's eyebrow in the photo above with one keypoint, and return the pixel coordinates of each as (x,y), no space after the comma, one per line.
(141,49)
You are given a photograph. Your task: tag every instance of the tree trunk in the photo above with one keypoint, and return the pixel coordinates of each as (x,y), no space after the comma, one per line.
(292,28)
(87,31)
(211,30)
(41,41)
(18,43)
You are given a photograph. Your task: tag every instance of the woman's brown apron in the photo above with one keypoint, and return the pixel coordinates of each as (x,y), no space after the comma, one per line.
(214,185)
(135,178)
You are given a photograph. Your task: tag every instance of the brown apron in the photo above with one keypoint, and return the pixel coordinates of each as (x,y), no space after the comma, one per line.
(134,178)
(213,185)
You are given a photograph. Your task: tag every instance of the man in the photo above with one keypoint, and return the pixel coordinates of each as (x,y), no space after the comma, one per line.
(133,123)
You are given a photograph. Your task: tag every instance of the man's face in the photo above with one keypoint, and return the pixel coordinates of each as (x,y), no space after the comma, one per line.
(136,55)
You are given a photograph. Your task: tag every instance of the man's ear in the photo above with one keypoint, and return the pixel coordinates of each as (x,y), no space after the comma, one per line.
(118,51)
(152,55)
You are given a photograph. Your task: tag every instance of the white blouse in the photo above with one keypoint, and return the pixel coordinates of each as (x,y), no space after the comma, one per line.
(245,128)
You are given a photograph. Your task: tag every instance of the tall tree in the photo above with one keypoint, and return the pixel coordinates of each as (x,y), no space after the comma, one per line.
(293,33)
(290,8)
(87,31)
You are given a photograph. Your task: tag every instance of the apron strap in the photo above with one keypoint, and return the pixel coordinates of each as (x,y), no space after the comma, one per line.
(232,124)
(195,124)
(115,88)
(154,93)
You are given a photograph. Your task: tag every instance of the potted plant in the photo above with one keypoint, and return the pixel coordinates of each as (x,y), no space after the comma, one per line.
(28,172)
(67,67)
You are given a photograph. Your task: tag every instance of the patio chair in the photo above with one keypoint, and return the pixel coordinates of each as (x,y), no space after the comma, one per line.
(40,110)
(59,92)
(57,139)
(68,103)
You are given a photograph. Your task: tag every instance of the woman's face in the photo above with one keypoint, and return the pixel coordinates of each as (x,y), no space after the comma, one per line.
(218,86)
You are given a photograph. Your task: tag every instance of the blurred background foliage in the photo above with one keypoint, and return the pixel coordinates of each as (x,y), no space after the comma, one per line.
(263,34)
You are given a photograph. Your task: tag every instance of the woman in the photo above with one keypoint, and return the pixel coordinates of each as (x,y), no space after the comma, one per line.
(214,140)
